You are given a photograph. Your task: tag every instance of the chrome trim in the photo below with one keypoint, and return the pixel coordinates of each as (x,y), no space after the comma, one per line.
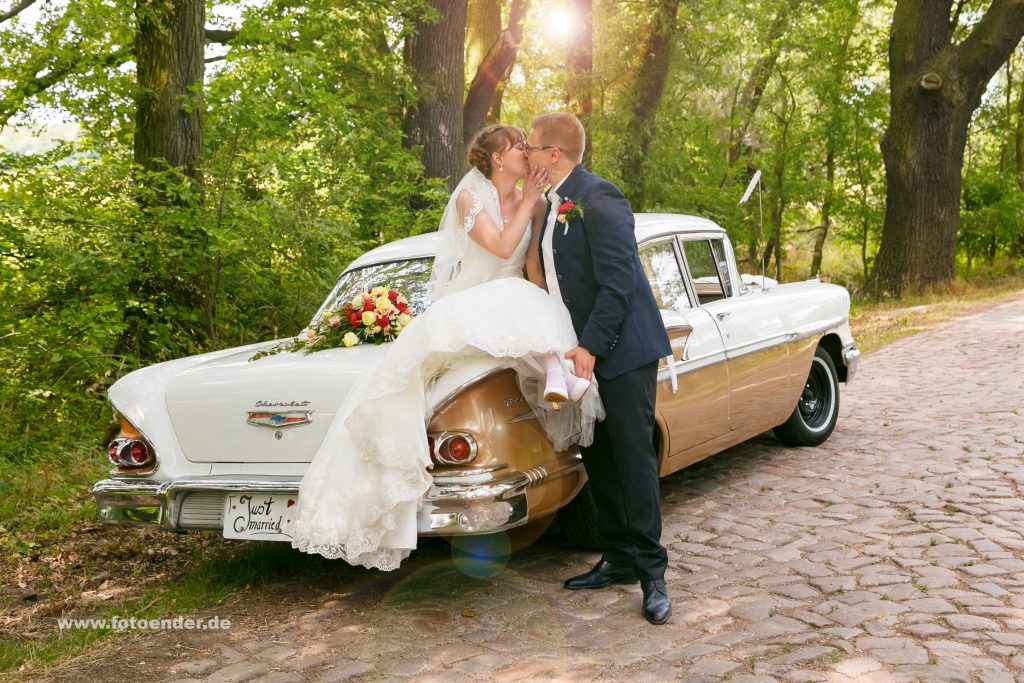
(462,387)
(851,357)
(816,328)
(524,417)
(453,504)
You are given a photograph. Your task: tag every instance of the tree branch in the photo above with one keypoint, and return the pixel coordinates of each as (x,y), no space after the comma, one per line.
(216,35)
(16,10)
(16,98)
(992,41)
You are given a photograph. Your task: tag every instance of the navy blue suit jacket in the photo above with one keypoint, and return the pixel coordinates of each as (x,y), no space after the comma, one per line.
(601,279)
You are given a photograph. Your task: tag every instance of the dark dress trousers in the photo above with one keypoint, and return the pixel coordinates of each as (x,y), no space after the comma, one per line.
(616,318)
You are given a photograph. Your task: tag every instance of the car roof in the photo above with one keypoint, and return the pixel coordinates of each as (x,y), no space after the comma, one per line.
(648,226)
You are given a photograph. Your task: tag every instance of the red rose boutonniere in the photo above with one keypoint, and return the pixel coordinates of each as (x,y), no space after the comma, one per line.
(569,211)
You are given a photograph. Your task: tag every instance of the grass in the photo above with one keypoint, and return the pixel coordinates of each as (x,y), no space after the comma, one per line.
(206,585)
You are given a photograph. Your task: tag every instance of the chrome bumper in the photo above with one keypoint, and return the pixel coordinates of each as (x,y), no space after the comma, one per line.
(468,502)
(851,356)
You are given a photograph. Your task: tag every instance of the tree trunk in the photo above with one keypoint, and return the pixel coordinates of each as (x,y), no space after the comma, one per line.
(435,55)
(169,117)
(826,207)
(483,25)
(656,54)
(581,70)
(1019,138)
(935,88)
(493,71)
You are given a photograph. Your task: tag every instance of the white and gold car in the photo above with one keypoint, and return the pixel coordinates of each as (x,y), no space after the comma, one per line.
(218,442)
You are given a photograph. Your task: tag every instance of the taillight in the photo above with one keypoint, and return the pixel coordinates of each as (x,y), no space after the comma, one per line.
(130,453)
(452,448)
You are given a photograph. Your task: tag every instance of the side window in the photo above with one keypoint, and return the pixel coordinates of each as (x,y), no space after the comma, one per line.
(718,250)
(662,269)
(703,266)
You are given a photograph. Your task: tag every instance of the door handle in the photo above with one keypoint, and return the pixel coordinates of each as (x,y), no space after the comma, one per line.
(723,315)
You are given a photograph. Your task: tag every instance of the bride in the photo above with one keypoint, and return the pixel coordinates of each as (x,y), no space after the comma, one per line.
(359,498)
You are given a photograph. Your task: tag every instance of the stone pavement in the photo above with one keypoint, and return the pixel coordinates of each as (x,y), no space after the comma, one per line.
(894,552)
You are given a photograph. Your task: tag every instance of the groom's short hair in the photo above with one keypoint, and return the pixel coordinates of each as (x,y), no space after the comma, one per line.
(562,130)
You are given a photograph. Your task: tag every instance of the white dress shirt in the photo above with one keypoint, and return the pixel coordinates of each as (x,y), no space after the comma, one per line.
(550,275)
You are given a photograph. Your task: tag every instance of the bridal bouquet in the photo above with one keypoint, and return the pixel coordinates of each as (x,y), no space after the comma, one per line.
(374,316)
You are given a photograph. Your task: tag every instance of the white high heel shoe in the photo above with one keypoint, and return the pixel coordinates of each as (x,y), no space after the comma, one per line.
(555,389)
(577,386)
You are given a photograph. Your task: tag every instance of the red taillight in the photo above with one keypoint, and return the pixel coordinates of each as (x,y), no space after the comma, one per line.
(459,449)
(130,453)
(138,454)
(452,448)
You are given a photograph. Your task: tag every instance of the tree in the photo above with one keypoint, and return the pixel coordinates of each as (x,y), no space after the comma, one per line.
(648,86)
(434,56)
(581,70)
(169,115)
(936,85)
(493,70)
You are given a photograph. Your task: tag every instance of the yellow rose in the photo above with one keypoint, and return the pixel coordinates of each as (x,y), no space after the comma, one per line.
(382,302)
(350,339)
(369,318)
(378,291)
(561,218)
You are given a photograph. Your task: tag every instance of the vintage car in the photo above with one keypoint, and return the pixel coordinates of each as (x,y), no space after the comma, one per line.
(220,442)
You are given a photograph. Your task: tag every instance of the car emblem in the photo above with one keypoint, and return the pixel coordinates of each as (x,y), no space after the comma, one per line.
(289,418)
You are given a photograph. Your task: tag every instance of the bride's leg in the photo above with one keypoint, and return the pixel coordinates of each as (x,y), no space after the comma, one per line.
(555,389)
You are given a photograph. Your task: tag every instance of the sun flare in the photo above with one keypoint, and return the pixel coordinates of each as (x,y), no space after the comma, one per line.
(561,24)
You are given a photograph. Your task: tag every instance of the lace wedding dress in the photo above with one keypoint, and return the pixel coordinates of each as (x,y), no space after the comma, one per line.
(358,500)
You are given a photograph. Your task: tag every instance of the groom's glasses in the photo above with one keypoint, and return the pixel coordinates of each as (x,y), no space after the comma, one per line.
(530,149)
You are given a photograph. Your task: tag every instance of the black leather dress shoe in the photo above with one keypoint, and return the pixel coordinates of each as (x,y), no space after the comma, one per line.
(603,574)
(657,604)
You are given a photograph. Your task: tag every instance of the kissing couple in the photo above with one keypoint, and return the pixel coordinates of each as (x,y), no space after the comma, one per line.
(582,330)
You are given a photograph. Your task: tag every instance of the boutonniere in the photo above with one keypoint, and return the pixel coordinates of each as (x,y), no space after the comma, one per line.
(569,211)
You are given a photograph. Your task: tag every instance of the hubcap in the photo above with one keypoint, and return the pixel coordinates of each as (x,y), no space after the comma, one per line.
(816,400)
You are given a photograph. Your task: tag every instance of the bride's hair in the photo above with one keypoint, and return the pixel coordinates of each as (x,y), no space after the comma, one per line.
(489,140)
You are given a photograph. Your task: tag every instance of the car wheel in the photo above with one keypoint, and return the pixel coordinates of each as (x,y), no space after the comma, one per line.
(817,409)
(578,520)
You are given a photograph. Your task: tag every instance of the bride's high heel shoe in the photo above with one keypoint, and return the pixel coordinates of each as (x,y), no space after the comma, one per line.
(555,389)
(577,386)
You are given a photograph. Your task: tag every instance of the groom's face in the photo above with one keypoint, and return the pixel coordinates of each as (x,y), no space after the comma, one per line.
(536,155)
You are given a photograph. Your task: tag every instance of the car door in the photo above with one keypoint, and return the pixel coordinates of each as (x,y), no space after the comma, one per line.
(699,410)
(752,332)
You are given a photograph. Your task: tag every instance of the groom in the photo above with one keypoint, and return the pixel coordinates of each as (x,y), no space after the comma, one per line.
(590,261)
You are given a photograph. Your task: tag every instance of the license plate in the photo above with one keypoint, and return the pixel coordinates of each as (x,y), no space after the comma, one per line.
(259,516)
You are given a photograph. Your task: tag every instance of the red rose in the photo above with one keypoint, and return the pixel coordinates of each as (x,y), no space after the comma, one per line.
(392,294)
(354,321)
(368,306)
(402,308)
(566,206)
(383,321)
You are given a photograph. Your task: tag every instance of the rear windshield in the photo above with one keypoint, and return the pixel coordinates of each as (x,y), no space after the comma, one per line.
(408,278)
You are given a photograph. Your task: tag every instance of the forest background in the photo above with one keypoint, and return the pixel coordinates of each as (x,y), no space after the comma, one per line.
(228,159)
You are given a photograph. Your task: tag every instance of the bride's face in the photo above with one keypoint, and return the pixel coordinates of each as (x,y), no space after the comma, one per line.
(514,161)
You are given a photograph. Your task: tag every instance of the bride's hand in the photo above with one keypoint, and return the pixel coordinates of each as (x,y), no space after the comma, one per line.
(534,184)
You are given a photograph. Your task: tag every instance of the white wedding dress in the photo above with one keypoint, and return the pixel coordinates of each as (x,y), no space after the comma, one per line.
(358,500)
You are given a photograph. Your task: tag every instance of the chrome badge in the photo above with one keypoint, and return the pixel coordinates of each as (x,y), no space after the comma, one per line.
(288,418)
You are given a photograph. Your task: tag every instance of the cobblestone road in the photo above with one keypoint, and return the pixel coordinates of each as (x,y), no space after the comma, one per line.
(894,552)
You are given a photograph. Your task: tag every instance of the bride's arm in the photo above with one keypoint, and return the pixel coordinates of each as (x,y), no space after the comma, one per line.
(502,243)
(534,273)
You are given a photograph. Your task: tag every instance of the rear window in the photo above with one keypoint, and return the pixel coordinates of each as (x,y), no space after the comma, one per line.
(408,277)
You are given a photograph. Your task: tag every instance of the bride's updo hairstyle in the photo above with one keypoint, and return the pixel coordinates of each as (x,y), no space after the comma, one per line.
(490,140)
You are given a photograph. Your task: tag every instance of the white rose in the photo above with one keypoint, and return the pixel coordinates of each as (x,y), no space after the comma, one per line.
(350,339)
(357,301)
(404,319)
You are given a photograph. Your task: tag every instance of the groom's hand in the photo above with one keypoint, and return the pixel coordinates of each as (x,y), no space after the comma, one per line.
(583,361)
